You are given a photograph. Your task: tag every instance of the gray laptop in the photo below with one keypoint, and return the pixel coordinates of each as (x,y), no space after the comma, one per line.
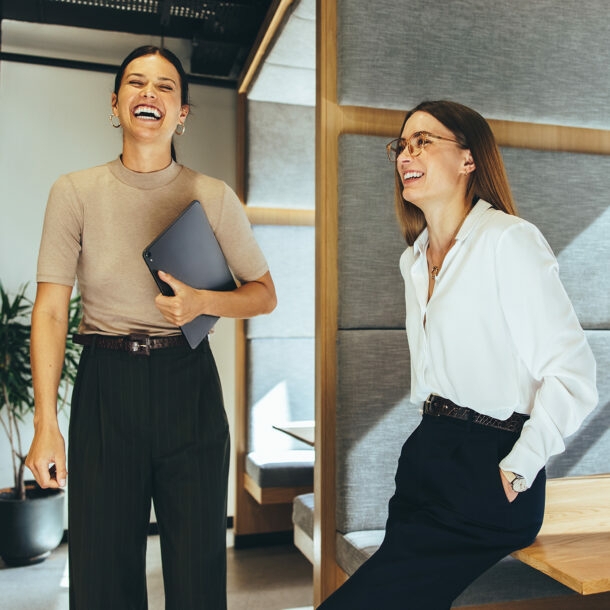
(189,251)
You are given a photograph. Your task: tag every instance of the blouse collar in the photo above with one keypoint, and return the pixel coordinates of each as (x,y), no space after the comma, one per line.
(478,209)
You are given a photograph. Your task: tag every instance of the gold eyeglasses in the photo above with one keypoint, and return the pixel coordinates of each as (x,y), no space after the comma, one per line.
(415,144)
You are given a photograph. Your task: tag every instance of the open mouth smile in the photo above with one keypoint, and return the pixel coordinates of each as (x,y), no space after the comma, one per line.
(411,175)
(149,113)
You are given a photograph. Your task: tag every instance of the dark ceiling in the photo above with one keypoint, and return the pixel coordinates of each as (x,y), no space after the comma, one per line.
(222,33)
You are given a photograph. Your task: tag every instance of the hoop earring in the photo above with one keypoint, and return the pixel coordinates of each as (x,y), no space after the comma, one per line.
(180,129)
(112,117)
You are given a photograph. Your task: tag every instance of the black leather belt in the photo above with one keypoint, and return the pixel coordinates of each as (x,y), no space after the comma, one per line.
(138,345)
(439,406)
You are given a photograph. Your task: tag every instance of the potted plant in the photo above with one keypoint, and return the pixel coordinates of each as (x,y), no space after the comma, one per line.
(31,518)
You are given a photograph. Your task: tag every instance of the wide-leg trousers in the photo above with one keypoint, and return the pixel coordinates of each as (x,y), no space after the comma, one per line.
(142,428)
(449,520)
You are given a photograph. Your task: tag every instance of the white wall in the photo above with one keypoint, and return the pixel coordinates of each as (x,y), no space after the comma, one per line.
(55,120)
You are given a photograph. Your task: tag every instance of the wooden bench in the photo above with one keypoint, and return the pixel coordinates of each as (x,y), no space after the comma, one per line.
(573,546)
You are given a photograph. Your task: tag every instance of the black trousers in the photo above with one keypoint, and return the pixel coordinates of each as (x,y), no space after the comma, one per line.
(145,427)
(449,520)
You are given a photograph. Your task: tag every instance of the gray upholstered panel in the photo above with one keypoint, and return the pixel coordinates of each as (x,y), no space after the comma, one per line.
(567,197)
(543,61)
(355,548)
(564,194)
(371,293)
(588,450)
(302,513)
(281,142)
(280,389)
(373,419)
(290,253)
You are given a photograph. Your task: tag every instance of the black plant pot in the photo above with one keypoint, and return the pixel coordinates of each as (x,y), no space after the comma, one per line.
(30,529)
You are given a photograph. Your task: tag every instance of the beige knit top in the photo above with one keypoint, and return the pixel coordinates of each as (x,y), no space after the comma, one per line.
(99,220)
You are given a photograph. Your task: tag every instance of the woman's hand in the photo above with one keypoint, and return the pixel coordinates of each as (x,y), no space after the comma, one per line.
(47,458)
(181,308)
(250,299)
(511,494)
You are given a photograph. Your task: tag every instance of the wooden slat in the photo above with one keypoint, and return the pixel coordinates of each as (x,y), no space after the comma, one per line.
(280,216)
(328,126)
(383,122)
(573,545)
(269,29)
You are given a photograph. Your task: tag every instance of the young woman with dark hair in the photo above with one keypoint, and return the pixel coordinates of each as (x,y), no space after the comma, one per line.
(147,418)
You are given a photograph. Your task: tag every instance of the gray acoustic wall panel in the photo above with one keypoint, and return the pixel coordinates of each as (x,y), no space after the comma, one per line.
(373,419)
(566,196)
(542,62)
(290,253)
(371,293)
(281,143)
(588,450)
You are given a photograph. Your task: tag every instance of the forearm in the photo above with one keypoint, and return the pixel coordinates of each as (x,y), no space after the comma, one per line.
(249,300)
(48,341)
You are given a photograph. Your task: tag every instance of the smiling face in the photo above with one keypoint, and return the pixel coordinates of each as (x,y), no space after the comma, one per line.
(148,102)
(437,174)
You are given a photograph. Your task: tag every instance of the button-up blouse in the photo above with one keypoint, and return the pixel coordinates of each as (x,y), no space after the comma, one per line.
(499,334)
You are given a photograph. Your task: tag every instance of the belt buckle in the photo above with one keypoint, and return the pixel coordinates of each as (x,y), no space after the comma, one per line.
(428,406)
(138,345)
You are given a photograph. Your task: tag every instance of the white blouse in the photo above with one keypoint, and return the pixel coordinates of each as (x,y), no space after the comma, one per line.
(499,334)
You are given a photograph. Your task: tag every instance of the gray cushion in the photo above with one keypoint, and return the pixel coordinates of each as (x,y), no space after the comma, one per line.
(540,62)
(281,468)
(508,580)
(355,548)
(302,513)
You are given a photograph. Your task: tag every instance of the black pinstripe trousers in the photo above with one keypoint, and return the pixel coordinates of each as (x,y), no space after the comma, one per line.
(142,428)
(449,520)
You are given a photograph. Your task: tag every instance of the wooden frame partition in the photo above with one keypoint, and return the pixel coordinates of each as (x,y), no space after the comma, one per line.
(333,120)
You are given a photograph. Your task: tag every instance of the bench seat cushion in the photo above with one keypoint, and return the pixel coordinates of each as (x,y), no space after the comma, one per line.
(287,468)
(508,580)
(302,513)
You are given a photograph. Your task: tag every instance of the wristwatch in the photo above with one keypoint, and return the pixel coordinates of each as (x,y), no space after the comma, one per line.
(517,482)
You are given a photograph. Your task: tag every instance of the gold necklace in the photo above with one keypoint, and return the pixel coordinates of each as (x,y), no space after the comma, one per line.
(436,269)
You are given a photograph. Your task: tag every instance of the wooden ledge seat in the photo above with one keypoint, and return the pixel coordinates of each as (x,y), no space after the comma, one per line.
(276,477)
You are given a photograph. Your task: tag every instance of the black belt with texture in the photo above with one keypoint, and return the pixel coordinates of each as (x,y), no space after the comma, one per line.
(138,345)
(439,406)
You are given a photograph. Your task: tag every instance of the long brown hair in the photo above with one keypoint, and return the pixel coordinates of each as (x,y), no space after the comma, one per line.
(488,181)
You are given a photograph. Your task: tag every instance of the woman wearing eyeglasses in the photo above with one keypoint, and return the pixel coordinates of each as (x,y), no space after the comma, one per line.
(499,362)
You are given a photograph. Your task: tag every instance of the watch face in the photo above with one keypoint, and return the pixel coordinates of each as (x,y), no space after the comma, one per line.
(519,484)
